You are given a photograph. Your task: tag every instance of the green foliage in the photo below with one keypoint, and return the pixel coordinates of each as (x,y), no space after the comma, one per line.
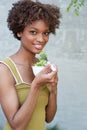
(76,5)
(42,59)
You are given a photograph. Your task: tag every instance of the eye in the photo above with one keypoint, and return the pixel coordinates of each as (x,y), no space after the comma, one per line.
(33,32)
(47,33)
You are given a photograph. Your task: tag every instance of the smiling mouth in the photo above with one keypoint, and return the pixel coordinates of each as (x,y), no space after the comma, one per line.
(38,46)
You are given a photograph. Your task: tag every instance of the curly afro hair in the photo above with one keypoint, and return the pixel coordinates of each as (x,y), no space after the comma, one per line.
(24,12)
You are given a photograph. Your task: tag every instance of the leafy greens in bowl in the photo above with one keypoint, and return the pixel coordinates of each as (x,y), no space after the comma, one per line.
(38,66)
(43,60)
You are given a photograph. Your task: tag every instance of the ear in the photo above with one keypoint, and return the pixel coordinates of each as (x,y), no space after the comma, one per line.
(19,34)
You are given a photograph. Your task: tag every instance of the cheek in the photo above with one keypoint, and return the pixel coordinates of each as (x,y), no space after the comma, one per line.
(47,39)
(27,38)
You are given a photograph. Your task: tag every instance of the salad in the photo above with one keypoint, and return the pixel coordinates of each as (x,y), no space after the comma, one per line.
(43,60)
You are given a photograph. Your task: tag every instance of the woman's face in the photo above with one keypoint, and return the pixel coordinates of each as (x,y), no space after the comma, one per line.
(35,36)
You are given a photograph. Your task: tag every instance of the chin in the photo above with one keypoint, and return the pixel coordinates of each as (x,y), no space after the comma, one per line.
(37,52)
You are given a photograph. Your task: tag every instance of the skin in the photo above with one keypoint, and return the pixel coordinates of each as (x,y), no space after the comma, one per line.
(33,39)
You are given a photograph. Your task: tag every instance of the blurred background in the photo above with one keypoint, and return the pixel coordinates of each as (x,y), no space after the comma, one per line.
(67,49)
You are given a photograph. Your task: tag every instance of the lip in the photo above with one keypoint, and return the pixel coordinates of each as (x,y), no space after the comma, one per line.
(38,46)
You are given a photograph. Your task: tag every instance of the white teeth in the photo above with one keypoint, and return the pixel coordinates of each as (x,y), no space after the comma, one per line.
(38,45)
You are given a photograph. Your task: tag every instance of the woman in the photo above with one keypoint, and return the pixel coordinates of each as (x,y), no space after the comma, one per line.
(27,100)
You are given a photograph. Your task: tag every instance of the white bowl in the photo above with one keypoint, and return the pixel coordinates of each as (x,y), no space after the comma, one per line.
(37,69)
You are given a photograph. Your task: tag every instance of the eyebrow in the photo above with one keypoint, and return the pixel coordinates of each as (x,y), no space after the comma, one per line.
(38,29)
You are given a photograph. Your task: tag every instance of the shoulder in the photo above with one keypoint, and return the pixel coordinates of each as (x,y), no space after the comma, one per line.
(4,65)
(5,74)
(3,68)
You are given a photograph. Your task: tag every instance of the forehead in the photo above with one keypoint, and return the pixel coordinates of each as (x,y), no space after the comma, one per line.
(39,25)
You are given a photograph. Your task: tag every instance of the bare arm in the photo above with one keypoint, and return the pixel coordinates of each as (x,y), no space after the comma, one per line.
(17,116)
(52,103)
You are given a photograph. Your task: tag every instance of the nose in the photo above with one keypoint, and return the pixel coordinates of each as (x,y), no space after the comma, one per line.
(40,38)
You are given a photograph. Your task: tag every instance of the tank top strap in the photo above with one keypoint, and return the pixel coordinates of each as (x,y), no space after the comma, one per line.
(10,64)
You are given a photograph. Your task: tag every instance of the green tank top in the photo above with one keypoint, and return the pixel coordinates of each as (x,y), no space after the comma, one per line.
(38,118)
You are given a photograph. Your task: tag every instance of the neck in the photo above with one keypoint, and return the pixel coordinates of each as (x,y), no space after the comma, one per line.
(24,57)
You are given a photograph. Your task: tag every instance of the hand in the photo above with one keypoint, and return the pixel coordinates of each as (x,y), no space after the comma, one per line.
(53,85)
(45,76)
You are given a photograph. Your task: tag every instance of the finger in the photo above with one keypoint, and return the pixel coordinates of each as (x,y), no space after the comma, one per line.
(51,76)
(46,69)
(54,78)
